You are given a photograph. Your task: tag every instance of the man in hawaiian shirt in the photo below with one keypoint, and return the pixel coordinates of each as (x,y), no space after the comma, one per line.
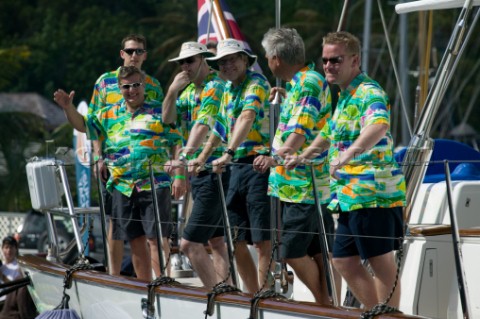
(192,103)
(106,92)
(304,111)
(135,137)
(243,111)
(367,184)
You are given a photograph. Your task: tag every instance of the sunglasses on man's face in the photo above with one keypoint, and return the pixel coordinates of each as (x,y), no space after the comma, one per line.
(333,60)
(187,61)
(137,51)
(127,87)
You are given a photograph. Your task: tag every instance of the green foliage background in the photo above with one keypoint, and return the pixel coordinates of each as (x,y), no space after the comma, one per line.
(50,44)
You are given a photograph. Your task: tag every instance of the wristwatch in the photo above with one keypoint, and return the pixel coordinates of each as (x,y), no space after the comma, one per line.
(230,152)
(183,158)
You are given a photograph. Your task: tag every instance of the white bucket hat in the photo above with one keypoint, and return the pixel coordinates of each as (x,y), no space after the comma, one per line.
(227,47)
(190,49)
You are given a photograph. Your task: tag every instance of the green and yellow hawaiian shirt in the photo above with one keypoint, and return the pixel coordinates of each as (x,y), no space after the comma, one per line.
(373,178)
(132,141)
(251,94)
(200,108)
(304,111)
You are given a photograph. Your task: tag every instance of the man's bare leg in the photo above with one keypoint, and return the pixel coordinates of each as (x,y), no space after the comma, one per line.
(152,243)
(141,258)
(264,251)
(337,278)
(358,279)
(385,270)
(307,270)
(115,252)
(220,258)
(246,267)
(201,262)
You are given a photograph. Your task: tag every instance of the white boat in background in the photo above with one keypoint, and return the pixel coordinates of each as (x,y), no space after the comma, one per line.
(439,261)
(425,5)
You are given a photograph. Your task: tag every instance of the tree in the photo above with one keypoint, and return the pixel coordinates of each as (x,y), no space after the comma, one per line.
(20,138)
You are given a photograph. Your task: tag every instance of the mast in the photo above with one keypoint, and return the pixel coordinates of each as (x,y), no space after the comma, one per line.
(366,35)
(275,210)
(404,83)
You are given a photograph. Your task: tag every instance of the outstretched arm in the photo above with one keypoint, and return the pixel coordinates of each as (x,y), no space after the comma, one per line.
(66,103)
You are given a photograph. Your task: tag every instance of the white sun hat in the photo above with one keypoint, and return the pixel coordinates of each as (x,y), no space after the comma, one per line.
(230,46)
(190,49)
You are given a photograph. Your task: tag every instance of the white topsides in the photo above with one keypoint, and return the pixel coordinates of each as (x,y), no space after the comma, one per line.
(423,5)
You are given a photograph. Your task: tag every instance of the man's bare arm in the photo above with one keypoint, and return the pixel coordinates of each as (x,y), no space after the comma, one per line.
(369,137)
(169,107)
(242,127)
(65,101)
(197,136)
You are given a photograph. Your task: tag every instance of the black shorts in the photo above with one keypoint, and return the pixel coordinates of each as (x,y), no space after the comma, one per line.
(206,219)
(368,232)
(107,199)
(248,203)
(134,216)
(300,230)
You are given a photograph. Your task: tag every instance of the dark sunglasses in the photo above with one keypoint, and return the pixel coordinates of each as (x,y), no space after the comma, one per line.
(187,61)
(334,60)
(137,51)
(128,86)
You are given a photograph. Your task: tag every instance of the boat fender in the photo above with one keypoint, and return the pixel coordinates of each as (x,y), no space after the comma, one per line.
(220,288)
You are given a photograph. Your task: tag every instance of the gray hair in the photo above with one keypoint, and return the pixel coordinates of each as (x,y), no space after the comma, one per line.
(286,44)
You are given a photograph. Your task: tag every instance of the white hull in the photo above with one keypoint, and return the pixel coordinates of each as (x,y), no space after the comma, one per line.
(429,277)
(96,295)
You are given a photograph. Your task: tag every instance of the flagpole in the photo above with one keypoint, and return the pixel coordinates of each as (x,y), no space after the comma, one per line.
(220,18)
(280,273)
(210,13)
(342,16)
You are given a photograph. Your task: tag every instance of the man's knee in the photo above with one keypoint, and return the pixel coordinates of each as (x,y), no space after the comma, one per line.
(383,265)
(152,241)
(189,247)
(263,247)
(346,264)
(185,246)
(217,243)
